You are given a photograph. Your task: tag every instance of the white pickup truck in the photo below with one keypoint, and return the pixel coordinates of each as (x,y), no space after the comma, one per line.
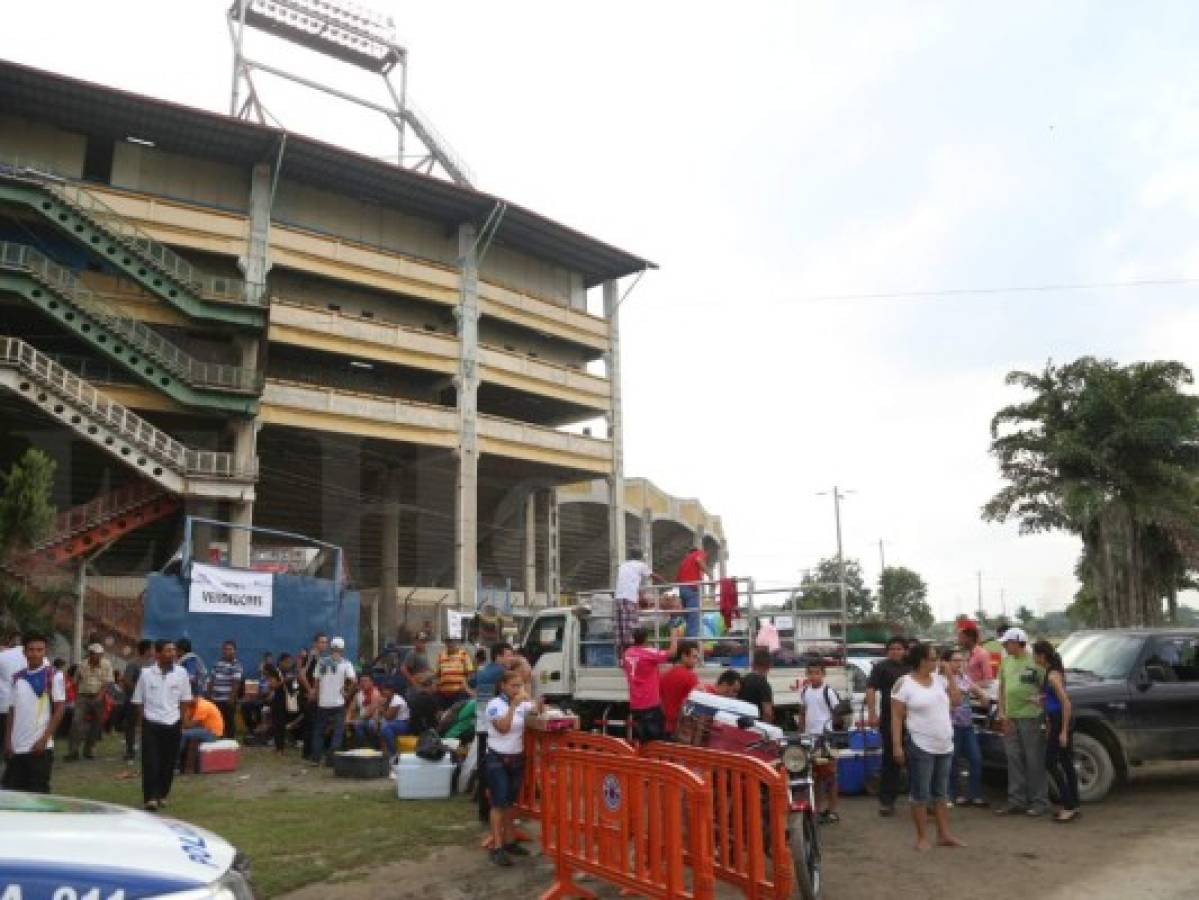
(573,652)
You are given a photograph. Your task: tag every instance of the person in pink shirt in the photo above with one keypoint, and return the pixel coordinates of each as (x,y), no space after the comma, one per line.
(640,665)
(978,660)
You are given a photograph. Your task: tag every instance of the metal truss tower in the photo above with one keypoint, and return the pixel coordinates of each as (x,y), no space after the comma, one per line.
(353,35)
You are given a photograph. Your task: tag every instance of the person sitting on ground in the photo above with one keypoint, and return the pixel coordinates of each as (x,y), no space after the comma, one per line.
(817,701)
(362,709)
(678,682)
(504,765)
(755,687)
(920,704)
(422,704)
(640,665)
(202,723)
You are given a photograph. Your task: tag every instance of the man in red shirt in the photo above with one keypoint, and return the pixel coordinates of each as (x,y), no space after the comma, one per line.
(679,682)
(640,665)
(692,570)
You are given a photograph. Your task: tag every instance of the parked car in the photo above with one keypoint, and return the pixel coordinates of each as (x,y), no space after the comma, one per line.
(63,847)
(1135,693)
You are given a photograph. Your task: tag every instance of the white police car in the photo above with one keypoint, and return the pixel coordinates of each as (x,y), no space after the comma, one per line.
(59,848)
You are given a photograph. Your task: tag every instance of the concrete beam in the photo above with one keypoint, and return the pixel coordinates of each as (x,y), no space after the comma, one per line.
(530,548)
(553,550)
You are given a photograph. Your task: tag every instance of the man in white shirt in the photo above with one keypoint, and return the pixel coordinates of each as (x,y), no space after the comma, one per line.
(37,697)
(161,692)
(12,661)
(631,576)
(335,678)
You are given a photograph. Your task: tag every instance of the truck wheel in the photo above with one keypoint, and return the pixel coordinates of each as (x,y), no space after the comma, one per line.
(1095,767)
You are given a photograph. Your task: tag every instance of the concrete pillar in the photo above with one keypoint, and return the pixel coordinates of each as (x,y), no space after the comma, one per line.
(466,518)
(647,537)
(553,558)
(254,264)
(616,525)
(202,535)
(389,568)
(530,583)
(699,536)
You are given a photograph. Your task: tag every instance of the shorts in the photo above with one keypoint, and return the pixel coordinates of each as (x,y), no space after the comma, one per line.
(503,774)
(928,774)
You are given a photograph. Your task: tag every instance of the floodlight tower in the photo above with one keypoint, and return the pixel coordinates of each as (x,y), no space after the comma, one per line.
(353,35)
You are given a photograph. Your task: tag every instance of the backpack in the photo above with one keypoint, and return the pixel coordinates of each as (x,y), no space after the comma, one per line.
(839,711)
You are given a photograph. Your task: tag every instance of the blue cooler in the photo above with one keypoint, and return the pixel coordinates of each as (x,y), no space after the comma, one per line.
(851,772)
(870,742)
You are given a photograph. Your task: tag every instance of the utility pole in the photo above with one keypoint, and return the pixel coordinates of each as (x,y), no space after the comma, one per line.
(882,558)
(1002,604)
(980,592)
(838,494)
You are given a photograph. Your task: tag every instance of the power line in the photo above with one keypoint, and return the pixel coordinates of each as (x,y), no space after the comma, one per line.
(1020,289)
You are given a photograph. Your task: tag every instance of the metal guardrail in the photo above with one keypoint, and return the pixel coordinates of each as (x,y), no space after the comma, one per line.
(131,427)
(18,257)
(100,509)
(436,143)
(103,216)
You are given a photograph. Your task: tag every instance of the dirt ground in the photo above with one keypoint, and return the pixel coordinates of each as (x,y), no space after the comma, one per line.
(1137,845)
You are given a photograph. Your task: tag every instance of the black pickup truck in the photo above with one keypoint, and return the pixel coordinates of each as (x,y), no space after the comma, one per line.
(1135,694)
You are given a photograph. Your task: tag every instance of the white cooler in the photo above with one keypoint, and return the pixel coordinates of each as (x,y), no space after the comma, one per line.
(706,704)
(419,779)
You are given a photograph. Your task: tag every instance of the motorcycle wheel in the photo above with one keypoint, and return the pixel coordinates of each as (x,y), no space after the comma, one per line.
(804,843)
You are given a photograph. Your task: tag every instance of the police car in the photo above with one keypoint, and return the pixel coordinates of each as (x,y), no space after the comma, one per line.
(59,848)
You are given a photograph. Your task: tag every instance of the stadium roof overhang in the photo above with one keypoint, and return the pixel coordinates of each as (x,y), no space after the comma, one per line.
(90,108)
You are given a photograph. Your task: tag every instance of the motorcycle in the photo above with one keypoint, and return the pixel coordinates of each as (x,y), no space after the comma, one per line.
(799,756)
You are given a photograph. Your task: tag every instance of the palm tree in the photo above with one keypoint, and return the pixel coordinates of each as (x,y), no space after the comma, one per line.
(1110,453)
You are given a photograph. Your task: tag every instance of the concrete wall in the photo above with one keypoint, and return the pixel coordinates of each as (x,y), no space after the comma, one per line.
(39,142)
(154,171)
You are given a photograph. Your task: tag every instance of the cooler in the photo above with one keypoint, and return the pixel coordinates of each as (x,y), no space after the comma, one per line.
(870,742)
(419,779)
(851,771)
(725,735)
(218,756)
(702,703)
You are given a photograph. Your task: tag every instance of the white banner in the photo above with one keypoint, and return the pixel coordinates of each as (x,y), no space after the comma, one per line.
(230,591)
(456,624)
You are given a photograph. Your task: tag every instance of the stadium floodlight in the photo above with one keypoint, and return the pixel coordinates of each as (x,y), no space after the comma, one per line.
(346,31)
(351,34)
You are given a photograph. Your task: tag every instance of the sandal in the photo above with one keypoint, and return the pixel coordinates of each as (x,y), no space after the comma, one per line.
(828,817)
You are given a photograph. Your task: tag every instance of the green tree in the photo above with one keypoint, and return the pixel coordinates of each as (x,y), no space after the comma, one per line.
(26,513)
(820,589)
(1110,453)
(903,598)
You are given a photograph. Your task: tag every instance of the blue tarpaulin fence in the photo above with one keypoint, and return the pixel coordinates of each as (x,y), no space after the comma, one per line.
(302,606)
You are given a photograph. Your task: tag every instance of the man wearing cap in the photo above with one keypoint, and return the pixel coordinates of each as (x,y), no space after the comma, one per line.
(95,676)
(1021,717)
(334,677)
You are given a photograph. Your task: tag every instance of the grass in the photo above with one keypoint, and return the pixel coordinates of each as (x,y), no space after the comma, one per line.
(297,825)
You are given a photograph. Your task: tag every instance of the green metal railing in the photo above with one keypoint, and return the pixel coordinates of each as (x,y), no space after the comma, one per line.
(126,233)
(61,280)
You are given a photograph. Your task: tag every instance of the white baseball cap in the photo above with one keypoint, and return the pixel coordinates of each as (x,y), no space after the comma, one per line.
(337,644)
(1014,634)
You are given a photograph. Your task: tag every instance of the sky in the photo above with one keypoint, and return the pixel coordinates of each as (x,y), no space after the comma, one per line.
(780,162)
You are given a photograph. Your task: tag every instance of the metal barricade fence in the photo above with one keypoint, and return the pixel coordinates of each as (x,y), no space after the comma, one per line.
(751,803)
(638,823)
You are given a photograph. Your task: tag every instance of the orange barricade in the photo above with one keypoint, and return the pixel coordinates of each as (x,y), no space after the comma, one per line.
(537,743)
(634,822)
(743,788)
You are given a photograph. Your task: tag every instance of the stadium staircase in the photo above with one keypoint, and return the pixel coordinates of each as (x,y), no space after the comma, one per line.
(83,216)
(55,290)
(152,453)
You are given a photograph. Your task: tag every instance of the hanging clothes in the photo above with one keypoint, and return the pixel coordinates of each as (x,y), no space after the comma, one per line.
(728,601)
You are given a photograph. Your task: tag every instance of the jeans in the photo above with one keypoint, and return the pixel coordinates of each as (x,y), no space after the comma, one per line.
(1027,779)
(690,598)
(129,726)
(649,724)
(965,746)
(1059,762)
(85,727)
(503,773)
(228,710)
(327,716)
(390,730)
(888,787)
(928,774)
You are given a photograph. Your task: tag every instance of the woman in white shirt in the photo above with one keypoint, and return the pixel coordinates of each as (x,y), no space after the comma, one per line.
(921,702)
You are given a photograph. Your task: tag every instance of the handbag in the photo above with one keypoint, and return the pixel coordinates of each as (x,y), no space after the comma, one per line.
(429,746)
